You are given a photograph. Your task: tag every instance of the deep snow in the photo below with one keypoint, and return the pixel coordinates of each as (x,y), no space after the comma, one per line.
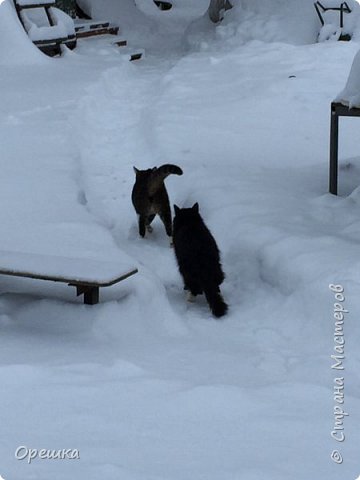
(144,385)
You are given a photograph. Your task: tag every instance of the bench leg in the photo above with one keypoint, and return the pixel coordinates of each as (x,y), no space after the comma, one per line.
(334,145)
(91,294)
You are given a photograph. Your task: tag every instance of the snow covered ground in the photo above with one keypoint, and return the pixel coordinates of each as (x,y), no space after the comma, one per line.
(144,385)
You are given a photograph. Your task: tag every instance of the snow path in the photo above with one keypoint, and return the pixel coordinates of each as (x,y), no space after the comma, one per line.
(283,243)
(157,117)
(145,385)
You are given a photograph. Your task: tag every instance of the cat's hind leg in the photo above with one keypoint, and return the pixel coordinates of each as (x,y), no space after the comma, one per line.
(166,219)
(190,297)
(142,225)
(193,287)
(149,219)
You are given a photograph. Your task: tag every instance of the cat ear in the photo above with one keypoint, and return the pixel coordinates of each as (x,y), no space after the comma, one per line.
(176,209)
(195,207)
(136,170)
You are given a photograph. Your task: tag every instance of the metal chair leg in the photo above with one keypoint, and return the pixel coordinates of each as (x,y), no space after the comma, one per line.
(334,145)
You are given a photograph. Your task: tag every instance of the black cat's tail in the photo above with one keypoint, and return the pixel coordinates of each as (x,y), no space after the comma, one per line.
(215,301)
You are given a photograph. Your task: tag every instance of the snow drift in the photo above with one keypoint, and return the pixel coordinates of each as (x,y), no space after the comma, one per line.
(350,95)
(286,21)
(15,46)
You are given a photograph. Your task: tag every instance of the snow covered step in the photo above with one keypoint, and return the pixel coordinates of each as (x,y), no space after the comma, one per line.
(88,25)
(121,43)
(131,55)
(137,55)
(87,275)
(89,28)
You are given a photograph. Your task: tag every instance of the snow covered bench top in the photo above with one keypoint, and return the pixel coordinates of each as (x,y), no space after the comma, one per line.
(85,274)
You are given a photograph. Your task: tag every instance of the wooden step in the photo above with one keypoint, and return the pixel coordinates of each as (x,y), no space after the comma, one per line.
(92,28)
(100,31)
(127,51)
(135,56)
(120,43)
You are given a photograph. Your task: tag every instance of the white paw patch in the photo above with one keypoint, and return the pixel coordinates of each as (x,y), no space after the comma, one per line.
(191,298)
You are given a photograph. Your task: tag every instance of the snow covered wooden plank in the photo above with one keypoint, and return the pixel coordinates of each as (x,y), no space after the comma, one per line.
(87,275)
(129,52)
(88,25)
(49,42)
(125,50)
(135,56)
(90,28)
(111,30)
(24,4)
(121,43)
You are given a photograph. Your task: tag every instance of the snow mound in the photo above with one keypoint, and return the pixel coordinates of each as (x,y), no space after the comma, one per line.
(280,20)
(286,21)
(132,21)
(350,95)
(15,46)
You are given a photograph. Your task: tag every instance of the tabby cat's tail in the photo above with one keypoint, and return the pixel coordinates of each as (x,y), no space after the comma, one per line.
(168,168)
(215,301)
(159,175)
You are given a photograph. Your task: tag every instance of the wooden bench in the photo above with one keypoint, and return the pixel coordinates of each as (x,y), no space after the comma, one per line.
(87,275)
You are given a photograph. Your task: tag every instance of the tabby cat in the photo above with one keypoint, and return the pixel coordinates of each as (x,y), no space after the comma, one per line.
(150,198)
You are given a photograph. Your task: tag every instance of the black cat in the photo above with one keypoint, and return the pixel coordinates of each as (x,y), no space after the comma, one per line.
(149,196)
(198,257)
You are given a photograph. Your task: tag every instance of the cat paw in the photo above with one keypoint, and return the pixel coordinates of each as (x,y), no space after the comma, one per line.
(191,298)
(149,228)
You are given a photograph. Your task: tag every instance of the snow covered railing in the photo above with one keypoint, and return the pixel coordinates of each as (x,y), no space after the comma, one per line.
(342,8)
(87,275)
(338,19)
